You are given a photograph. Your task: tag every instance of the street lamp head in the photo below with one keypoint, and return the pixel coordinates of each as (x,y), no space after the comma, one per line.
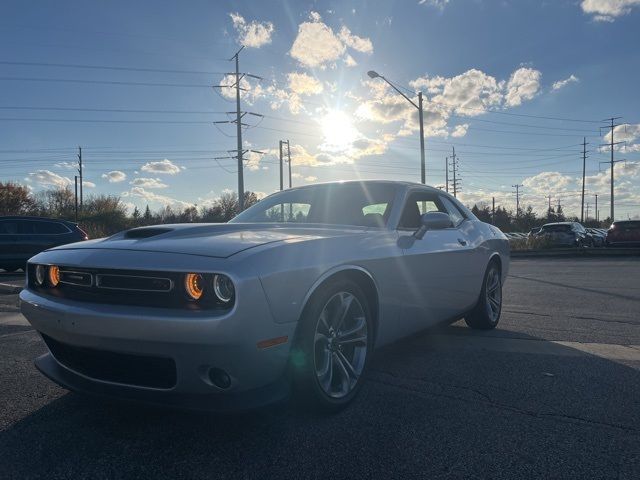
(373,74)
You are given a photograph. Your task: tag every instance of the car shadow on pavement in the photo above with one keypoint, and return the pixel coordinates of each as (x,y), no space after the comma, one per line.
(450,402)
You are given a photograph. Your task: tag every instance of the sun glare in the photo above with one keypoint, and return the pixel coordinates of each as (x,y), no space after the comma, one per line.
(338,130)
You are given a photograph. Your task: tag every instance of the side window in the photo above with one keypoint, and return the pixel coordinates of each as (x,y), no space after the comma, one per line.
(418,204)
(8,227)
(36,227)
(287,212)
(456,216)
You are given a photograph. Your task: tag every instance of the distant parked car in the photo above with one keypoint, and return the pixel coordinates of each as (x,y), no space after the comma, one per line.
(23,237)
(533,231)
(564,234)
(624,233)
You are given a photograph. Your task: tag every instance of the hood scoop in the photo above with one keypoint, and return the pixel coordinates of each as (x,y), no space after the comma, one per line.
(145,232)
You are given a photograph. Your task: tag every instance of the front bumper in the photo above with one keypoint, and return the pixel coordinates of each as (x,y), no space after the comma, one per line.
(196,342)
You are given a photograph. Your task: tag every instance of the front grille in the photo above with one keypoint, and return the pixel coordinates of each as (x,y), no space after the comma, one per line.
(127,287)
(136,370)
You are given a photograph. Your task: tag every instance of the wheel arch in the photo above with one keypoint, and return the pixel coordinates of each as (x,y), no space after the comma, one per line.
(359,275)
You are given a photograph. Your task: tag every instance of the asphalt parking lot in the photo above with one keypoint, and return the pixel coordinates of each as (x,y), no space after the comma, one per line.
(554,392)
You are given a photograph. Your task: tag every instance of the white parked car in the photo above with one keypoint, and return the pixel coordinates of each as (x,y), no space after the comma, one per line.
(297,291)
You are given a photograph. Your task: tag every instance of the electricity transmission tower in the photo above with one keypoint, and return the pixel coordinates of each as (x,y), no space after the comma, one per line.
(517,192)
(239,124)
(454,170)
(80,176)
(283,142)
(611,145)
(584,165)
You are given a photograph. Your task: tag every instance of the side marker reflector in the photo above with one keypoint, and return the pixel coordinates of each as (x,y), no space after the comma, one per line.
(272,342)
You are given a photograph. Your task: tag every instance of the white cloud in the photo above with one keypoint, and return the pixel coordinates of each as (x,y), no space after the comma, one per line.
(359,44)
(153,197)
(563,83)
(317,45)
(114,176)
(48,178)
(253,34)
(460,130)
(311,178)
(626,132)
(303,84)
(88,184)
(68,165)
(165,166)
(608,10)
(439,4)
(546,182)
(145,182)
(524,84)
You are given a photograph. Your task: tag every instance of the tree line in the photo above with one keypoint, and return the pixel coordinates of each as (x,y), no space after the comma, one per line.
(103,215)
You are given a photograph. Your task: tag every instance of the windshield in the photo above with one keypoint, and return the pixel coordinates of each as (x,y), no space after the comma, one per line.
(338,204)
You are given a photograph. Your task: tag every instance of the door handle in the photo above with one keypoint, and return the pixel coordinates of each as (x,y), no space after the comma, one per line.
(462,242)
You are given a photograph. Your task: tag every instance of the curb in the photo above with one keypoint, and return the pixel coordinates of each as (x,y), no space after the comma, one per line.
(7,288)
(574,252)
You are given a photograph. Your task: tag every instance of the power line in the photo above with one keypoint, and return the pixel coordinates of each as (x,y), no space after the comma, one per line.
(110,67)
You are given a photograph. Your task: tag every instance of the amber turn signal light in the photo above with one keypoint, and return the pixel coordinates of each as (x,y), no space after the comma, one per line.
(193,285)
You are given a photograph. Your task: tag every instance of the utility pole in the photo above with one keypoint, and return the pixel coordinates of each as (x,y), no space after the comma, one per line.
(289,159)
(597,215)
(423,172)
(446,173)
(454,168)
(517,192)
(493,210)
(549,209)
(373,74)
(611,145)
(238,121)
(75,178)
(239,134)
(587,216)
(281,170)
(584,165)
(80,174)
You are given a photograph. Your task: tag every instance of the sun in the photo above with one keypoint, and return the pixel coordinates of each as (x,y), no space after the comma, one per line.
(338,130)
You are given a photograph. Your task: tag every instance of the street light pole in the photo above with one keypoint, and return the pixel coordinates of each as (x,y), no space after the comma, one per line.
(423,169)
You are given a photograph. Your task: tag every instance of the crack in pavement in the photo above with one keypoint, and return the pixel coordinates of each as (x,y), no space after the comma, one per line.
(506,407)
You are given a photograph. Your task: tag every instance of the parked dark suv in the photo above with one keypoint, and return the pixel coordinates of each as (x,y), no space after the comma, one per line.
(22,237)
(624,233)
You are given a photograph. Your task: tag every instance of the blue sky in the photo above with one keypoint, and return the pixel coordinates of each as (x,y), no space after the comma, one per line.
(512,85)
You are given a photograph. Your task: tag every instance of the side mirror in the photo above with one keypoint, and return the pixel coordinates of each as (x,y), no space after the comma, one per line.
(432,221)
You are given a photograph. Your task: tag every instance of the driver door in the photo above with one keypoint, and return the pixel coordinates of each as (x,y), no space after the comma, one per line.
(435,269)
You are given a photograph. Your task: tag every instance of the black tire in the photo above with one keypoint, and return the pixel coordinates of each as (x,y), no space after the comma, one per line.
(306,383)
(484,315)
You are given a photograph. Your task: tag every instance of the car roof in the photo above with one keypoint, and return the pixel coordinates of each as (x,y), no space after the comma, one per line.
(370,182)
(27,217)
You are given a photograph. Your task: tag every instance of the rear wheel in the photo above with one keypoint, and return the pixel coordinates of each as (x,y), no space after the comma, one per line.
(486,313)
(332,351)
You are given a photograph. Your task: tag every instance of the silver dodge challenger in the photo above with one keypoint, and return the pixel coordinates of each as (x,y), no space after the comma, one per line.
(292,295)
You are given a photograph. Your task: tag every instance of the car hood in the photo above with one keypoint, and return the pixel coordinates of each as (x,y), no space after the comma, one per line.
(211,240)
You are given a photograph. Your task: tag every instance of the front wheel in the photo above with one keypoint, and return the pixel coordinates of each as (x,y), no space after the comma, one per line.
(486,313)
(332,351)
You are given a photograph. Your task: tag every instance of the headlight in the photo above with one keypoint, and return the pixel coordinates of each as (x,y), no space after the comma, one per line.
(193,285)
(40,274)
(223,288)
(54,275)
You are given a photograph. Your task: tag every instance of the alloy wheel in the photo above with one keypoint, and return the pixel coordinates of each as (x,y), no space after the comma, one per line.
(340,345)
(493,294)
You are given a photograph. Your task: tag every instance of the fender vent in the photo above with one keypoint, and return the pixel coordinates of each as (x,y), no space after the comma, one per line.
(145,232)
